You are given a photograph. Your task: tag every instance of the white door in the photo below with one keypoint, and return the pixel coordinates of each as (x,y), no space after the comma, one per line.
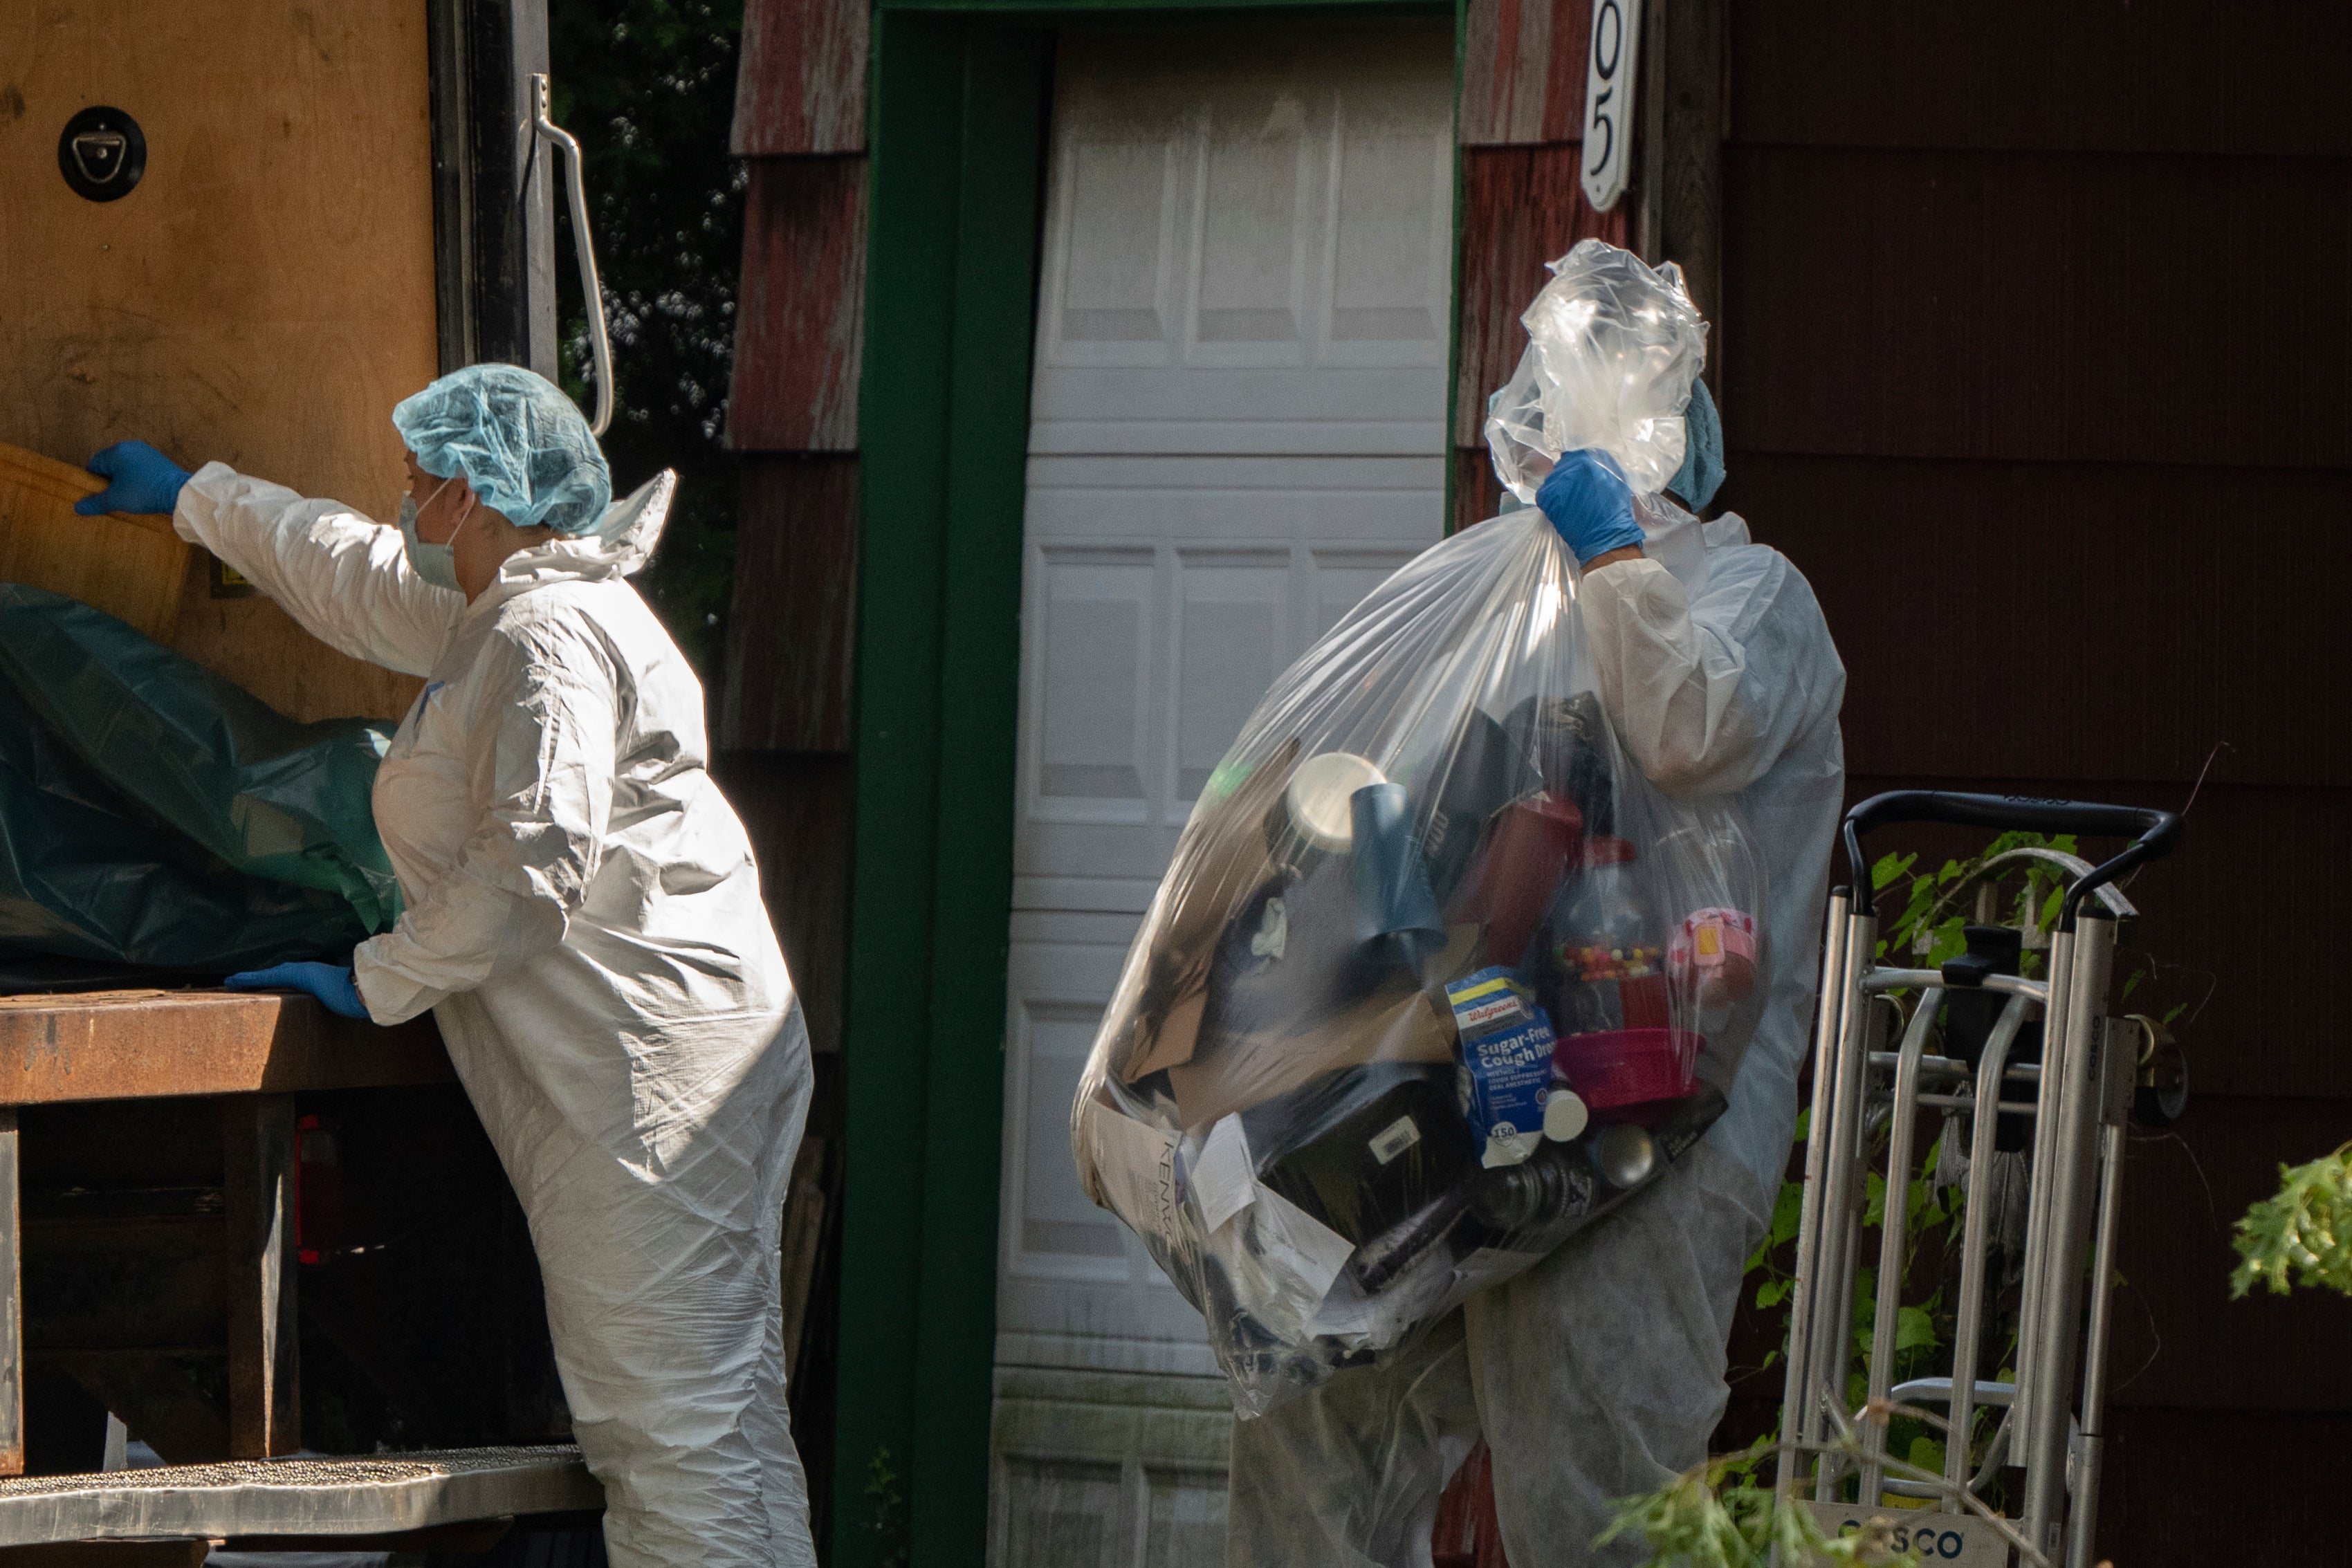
(1237,430)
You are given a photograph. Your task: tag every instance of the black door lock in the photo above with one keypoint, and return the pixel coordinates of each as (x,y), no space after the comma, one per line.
(102,153)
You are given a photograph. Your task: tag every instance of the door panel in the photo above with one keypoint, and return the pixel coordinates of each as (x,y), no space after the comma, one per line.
(1237,430)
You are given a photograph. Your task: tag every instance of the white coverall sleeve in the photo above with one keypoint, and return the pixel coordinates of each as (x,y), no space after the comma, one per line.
(541,741)
(1709,693)
(345,579)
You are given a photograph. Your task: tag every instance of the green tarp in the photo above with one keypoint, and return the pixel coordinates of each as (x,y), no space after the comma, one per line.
(155,815)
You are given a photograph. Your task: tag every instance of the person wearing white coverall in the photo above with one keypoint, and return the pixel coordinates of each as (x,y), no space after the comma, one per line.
(582,918)
(1600,1372)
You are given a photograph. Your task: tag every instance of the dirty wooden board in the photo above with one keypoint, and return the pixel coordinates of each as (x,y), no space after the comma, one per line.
(800,87)
(1523,68)
(131,568)
(123,1045)
(306,1496)
(790,635)
(799,812)
(1521,208)
(262,297)
(800,333)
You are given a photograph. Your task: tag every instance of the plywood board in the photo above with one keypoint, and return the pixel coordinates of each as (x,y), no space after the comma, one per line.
(262,297)
(140,1045)
(131,568)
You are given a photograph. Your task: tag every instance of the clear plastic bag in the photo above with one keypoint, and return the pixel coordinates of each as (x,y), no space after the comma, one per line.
(1434,978)
(1614,346)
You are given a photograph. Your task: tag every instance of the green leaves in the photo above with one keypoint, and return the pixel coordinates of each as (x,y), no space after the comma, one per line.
(648,86)
(1788,1213)
(888,1501)
(1696,1521)
(1913,1330)
(1930,942)
(2302,1236)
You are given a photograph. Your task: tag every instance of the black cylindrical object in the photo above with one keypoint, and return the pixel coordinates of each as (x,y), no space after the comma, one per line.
(1970,1013)
(1551,1184)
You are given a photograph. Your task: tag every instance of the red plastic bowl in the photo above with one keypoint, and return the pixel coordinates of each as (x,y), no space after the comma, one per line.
(1628,1066)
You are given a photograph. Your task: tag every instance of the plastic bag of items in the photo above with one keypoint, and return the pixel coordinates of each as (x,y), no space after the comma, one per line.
(1436,977)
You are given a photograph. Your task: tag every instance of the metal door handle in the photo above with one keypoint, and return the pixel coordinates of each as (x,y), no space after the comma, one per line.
(576,187)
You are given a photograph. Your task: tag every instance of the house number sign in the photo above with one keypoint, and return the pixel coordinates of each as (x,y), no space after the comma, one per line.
(1609,101)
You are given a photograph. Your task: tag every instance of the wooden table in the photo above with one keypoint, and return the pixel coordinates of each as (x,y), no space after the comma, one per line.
(248,1053)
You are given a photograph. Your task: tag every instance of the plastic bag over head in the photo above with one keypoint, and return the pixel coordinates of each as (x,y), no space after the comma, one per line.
(1436,977)
(521,444)
(1614,346)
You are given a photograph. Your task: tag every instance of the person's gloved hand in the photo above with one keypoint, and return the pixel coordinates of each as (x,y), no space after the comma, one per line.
(142,480)
(1589,503)
(331,983)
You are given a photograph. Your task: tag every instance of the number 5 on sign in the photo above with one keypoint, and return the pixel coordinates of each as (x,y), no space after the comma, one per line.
(1941,1540)
(1609,101)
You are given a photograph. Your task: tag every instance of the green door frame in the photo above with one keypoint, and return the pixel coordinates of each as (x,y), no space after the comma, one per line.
(961,92)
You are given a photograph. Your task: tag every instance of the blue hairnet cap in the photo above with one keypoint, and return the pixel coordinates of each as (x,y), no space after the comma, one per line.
(1702,470)
(519,442)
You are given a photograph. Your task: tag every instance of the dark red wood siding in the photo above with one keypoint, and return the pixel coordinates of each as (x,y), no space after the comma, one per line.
(2041,370)
(800,87)
(785,732)
(788,680)
(1522,108)
(801,333)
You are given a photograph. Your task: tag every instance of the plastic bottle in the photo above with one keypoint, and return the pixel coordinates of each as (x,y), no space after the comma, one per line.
(1608,948)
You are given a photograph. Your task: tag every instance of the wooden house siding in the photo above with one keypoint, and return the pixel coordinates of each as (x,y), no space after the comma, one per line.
(2041,360)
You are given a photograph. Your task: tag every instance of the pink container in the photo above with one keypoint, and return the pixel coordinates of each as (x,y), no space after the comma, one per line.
(1628,1066)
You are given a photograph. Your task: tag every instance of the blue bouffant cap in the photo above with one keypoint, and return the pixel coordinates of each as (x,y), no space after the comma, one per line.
(519,442)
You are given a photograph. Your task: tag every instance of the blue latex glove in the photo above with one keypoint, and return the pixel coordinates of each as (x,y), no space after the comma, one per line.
(1589,503)
(143,481)
(331,983)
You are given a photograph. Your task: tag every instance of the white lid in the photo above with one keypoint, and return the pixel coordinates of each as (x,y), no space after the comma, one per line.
(1318,798)
(1564,1116)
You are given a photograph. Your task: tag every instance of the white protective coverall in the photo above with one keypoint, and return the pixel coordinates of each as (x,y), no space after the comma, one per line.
(1600,1372)
(583,919)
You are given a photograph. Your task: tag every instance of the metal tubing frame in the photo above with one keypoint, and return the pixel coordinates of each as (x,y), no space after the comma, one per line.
(2037,1213)
(2063,1274)
(1999,1395)
(1832,1306)
(2115,1101)
(1893,1235)
(1992,1071)
(1829,1014)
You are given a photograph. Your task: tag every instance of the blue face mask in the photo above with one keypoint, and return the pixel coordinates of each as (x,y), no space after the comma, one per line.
(1702,472)
(437,564)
